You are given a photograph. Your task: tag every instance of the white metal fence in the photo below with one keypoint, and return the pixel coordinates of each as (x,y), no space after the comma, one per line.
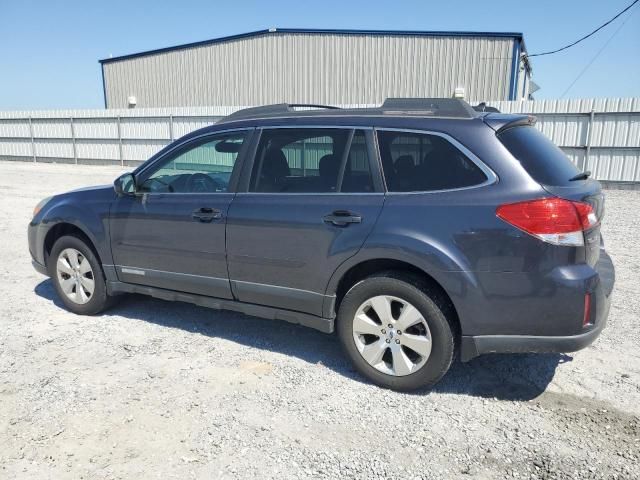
(124,137)
(601,135)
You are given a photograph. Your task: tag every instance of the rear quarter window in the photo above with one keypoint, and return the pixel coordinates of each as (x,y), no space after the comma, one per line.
(541,158)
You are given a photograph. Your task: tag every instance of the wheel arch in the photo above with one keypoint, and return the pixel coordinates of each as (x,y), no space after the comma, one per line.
(446,285)
(74,214)
(64,228)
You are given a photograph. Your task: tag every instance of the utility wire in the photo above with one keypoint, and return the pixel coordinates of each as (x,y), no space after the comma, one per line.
(586,36)
(596,55)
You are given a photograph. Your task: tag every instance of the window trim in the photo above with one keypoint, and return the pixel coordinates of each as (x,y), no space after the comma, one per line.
(146,171)
(374,162)
(492,178)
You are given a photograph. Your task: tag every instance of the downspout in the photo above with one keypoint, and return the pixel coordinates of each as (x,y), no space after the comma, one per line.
(104,88)
(515,69)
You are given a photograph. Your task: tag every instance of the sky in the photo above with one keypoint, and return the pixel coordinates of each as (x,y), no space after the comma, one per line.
(49,49)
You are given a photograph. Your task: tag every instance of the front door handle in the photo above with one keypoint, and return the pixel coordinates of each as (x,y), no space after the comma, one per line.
(342,218)
(206,214)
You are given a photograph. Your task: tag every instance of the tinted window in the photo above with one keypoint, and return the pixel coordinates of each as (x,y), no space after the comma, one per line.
(545,162)
(311,161)
(357,173)
(204,167)
(419,162)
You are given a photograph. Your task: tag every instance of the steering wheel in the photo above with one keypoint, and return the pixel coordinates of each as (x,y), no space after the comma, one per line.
(202,183)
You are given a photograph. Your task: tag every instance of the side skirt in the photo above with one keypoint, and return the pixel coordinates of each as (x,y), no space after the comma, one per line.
(324,325)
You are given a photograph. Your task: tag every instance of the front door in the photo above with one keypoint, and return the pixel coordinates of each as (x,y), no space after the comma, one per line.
(171,233)
(313,196)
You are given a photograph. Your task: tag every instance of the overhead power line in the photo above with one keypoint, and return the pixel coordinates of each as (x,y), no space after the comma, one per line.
(596,55)
(586,36)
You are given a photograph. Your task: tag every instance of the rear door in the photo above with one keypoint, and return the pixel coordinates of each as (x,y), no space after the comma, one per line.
(171,234)
(311,198)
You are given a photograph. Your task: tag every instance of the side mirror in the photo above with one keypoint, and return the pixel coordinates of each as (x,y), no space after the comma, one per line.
(125,184)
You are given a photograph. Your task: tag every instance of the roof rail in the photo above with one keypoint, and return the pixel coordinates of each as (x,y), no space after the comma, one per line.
(446,107)
(275,109)
(426,107)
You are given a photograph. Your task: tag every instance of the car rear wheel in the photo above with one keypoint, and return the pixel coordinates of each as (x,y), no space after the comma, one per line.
(397,336)
(77,276)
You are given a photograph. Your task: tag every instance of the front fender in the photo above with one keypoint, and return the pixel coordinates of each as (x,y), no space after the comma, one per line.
(88,213)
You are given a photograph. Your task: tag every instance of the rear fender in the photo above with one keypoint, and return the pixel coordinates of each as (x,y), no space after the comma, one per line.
(436,263)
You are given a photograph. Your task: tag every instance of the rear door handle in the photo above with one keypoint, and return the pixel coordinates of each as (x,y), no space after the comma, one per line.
(206,214)
(342,218)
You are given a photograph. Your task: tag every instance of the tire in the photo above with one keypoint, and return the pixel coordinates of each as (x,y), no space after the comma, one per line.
(393,371)
(78,300)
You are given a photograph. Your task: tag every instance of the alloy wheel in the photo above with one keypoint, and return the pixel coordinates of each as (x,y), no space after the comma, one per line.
(75,275)
(392,335)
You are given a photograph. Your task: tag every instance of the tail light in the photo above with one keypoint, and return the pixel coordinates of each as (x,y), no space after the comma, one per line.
(553,220)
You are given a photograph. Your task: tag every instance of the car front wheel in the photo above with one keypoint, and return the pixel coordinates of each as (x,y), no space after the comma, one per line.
(77,276)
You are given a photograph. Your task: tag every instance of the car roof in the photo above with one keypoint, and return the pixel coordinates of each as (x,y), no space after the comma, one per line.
(438,114)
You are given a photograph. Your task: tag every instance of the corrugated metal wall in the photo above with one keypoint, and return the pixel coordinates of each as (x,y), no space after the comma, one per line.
(314,68)
(601,135)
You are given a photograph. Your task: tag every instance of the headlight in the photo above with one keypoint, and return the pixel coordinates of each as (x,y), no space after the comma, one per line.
(39,206)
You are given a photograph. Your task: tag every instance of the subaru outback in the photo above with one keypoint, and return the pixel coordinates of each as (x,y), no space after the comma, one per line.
(419,230)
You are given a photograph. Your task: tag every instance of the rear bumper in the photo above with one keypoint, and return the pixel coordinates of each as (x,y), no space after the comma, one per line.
(473,346)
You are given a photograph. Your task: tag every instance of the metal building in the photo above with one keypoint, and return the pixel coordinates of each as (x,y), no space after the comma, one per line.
(343,67)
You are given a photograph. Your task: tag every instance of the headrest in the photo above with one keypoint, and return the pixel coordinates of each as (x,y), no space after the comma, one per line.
(275,164)
(404,162)
(329,166)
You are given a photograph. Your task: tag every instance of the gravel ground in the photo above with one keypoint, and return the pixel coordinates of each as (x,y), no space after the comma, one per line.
(153,389)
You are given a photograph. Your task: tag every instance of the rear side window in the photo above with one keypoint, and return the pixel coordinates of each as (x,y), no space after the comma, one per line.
(357,172)
(545,162)
(420,162)
(311,160)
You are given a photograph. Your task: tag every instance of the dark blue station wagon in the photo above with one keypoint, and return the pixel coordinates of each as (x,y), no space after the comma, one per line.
(417,230)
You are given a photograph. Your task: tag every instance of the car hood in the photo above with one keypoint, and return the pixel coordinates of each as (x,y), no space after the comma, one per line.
(91,189)
(87,194)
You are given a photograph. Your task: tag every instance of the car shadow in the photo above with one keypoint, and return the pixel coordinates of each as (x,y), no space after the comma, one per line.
(519,377)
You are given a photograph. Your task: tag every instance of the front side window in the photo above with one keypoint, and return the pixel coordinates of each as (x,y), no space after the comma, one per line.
(204,167)
(311,161)
(420,162)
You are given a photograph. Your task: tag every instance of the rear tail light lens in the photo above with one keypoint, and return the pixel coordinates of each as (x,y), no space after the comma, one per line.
(553,220)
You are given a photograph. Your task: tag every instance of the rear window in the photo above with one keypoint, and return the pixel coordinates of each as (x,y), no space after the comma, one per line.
(545,162)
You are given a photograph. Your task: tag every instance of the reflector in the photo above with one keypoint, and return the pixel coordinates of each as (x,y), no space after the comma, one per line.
(586,321)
